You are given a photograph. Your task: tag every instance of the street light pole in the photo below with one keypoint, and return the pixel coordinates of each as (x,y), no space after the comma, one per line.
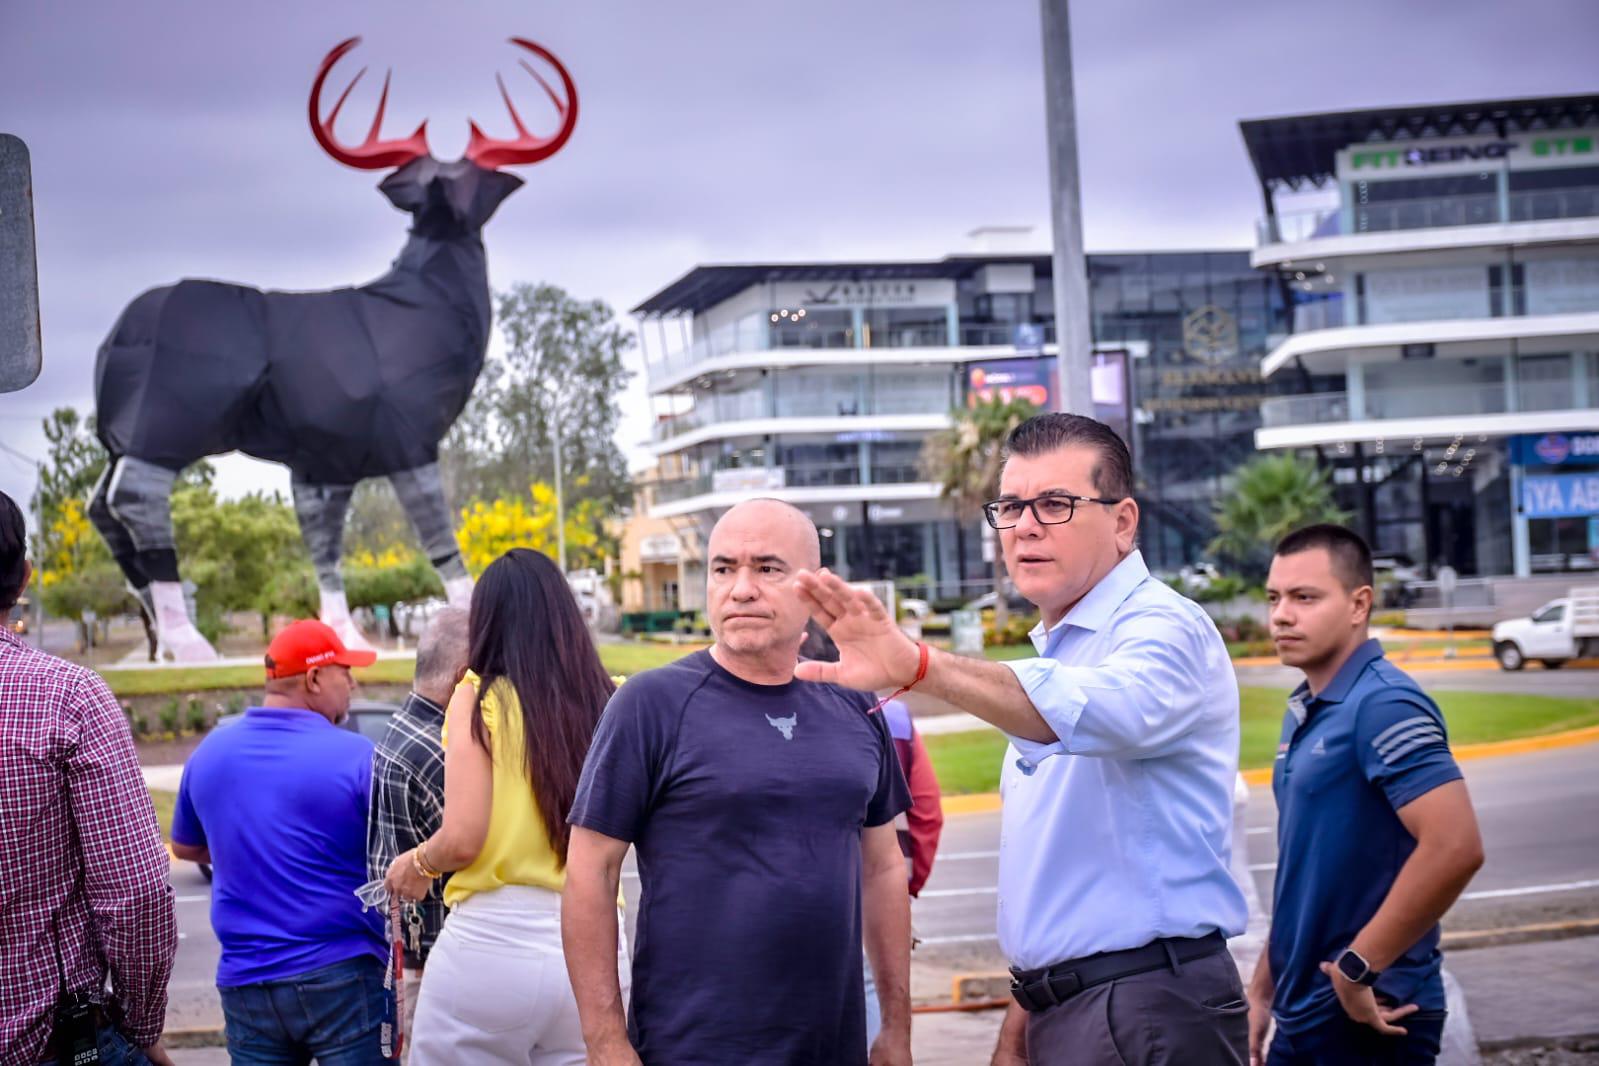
(560,500)
(1073,333)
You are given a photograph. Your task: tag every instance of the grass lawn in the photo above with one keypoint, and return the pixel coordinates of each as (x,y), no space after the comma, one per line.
(970,762)
(164,802)
(619,658)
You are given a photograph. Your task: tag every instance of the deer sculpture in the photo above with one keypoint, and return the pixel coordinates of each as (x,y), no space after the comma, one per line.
(338,386)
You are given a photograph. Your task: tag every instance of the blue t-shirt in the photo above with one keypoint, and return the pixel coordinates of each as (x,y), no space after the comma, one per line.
(279,798)
(745,803)
(1350,757)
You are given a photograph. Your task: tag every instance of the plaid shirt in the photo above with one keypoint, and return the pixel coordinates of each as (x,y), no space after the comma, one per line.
(407,804)
(84,867)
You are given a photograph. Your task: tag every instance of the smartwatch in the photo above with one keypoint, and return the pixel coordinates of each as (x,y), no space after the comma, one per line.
(1356,969)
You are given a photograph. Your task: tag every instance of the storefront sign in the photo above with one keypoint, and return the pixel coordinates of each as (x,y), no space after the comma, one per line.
(748,479)
(1419,157)
(1010,379)
(1560,495)
(1555,449)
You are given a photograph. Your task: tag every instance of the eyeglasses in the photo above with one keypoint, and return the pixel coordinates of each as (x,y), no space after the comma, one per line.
(1056,509)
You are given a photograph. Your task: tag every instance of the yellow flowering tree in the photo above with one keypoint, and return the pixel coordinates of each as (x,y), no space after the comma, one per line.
(490,529)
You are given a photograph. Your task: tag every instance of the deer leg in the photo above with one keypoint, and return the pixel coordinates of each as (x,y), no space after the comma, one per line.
(421,493)
(132,509)
(321,510)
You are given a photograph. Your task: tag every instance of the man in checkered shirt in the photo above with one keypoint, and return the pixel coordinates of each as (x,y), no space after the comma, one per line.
(84,867)
(407,803)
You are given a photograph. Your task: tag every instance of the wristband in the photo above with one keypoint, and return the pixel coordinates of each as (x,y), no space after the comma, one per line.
(921,672)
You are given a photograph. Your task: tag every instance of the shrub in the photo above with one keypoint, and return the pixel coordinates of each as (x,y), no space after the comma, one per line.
(171,717)
(198,719)
(1389,619)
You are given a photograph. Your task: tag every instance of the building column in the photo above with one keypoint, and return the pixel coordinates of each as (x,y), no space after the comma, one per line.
(930,556)
(1579,380)
(858,324)
(863,456)
(1520,532)
(952,317)
(1355,390)
(1512,384)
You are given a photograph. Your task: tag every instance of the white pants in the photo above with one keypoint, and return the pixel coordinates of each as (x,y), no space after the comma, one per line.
(496,989)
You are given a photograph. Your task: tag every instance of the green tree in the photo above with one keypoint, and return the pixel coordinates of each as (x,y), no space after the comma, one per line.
(966,461)
(1272,495)
(561,374)
(236,553)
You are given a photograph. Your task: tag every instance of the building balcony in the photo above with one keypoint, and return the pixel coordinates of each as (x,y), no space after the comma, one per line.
(1542,205)
(798,484)
(714,412)
(1326,349)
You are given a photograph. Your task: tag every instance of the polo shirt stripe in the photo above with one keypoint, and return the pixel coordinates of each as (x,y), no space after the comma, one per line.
(1420,741)
(1382,738)
(1390,749)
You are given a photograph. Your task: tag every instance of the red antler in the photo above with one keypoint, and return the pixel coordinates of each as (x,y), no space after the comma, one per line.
(370,154)
(489,153)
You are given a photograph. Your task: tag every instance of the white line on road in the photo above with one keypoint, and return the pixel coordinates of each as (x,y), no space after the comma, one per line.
(1531,890)
(1259,829)
(969,938)
(938,892)
(191,899)
(957,856)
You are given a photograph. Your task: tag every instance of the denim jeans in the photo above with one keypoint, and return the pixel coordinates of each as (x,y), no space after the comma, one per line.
(1343,1041)
(331,1015)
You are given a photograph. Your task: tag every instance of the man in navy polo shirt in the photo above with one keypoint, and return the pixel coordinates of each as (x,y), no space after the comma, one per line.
(1376,836)
(277,804)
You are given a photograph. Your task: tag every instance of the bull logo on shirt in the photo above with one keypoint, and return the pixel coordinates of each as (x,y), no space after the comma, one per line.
(784,726)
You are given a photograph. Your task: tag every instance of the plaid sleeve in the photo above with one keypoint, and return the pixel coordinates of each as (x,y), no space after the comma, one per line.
(386,816)
(125,862)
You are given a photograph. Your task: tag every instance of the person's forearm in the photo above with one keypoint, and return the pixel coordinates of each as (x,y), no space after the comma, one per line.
(1427,886)
(988,690)
(191,852)
(888,943)
(1012,1043)
(1262,986)
(589,939)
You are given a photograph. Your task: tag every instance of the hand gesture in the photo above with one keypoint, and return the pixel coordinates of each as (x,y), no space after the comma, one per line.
(873,653)
(891,1049)
(404,881)
(1360,1003)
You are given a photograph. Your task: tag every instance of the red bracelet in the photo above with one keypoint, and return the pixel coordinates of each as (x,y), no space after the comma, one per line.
(921,672)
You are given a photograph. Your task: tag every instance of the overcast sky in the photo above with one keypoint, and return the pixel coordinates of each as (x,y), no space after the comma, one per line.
(170,139)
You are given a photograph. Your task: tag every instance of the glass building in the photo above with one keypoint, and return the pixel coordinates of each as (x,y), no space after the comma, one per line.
(818,383)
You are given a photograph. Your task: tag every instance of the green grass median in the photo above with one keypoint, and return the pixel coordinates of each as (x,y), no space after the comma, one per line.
(970,762)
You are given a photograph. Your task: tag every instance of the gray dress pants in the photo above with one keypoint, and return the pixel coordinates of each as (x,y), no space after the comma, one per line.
(1193,1015)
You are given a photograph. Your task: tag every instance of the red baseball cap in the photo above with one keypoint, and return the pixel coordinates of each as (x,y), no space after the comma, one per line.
(307,643)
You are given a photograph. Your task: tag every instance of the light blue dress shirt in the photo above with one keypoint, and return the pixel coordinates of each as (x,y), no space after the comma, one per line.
(1121,830)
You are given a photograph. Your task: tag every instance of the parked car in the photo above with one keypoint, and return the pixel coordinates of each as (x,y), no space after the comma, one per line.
(370,718)
(1014,600)
(1395,572)
(1560,630)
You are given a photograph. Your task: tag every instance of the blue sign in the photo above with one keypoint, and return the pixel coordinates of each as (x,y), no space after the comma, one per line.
(1028,337)
(1555,449)
(1560,495)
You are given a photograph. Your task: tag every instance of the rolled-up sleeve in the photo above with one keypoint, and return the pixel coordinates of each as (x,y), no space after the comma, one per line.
(1142,700)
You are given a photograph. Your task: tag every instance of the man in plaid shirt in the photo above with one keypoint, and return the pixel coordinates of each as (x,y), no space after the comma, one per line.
(85,869)
(407,803)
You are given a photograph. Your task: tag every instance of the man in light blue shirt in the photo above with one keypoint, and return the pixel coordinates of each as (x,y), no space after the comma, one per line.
(1117,825)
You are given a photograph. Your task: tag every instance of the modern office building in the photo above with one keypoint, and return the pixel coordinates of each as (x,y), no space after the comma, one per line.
(818,383)
(1442,264)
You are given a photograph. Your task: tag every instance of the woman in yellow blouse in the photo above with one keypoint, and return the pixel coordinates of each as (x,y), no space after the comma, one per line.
(516,732)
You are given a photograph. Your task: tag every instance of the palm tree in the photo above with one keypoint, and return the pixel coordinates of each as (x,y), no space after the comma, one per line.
(1272,495)
(966,460)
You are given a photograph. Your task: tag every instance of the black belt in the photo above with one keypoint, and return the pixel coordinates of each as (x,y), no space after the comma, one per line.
(1038,990)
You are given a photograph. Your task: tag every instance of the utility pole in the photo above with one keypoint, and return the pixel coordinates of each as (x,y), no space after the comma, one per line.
(560,500)
(1073,332)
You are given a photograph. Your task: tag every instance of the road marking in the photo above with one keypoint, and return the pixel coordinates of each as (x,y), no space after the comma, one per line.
(1259,829)
(190,899)
(968,938)
(939,892)
(1259,867)
(1532,890)
(958,856)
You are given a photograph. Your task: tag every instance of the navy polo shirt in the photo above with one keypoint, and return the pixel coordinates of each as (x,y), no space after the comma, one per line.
(280,799)
(1350,757)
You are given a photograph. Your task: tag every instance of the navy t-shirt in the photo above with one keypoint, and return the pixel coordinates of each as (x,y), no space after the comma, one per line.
(1351,756)
(745,804)
(280,799)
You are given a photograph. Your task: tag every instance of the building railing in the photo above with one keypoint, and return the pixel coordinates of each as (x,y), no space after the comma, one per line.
(1431,401)
(792,400)
(1291,227)
(805,475)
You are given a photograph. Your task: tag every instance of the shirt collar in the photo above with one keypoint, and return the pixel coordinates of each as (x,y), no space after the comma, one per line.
(1337,689)
(1101,601)
(290,715)
(421,704)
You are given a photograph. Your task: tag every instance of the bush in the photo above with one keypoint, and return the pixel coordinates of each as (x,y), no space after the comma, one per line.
(1389,619)
(1251,649)
(1242,629)
(1017,628)
(1224,588)
(198,719)
(171,717)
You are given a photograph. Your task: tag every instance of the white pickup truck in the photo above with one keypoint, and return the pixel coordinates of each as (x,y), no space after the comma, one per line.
(1567,628)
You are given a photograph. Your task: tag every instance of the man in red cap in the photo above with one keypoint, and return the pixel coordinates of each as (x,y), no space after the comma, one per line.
(277,804)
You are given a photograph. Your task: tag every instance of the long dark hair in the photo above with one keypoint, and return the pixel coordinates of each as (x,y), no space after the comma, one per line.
(527,631)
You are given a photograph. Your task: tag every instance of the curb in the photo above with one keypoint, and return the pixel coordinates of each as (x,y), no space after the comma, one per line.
(182,1038)
(988,802)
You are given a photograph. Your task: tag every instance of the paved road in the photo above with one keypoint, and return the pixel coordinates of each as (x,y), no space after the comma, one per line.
(1534,680)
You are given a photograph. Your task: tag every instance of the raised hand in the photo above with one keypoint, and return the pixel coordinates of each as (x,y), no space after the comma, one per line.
(873,653)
